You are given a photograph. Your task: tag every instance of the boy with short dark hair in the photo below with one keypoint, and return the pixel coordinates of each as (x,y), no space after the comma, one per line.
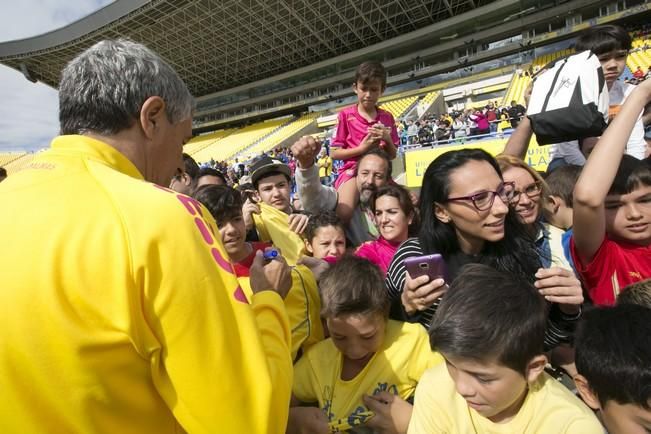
(637,293)
(362,374)
(490,329)
(613,358)
(558,203)
(611,246)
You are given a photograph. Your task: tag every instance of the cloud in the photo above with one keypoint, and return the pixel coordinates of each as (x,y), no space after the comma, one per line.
(28,111)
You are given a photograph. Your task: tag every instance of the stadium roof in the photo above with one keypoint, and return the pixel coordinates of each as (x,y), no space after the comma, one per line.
(216,45)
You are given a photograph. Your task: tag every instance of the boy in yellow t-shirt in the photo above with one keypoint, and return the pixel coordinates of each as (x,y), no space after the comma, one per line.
(362,374)
(302,299)
(490,328)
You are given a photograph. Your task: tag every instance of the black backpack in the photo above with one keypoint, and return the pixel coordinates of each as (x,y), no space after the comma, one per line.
(569,100)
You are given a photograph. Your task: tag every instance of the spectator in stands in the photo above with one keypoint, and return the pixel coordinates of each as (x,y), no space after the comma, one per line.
(369,366)
(3,174)
(638,74)
(459,128)
(121,318)
(611,44)
(373,171)
(527,201)
(210,176)
(490,329)
(302,299)
(491,117)
(442,131)
(396,219)
(504,124)
(325,167)
(185,181)
(613,357)
(483,127)
(412,132)
(612,211)
(465,217)
(516,111)
(360,128)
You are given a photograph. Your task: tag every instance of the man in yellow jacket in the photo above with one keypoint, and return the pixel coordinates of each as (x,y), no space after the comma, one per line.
(118,308)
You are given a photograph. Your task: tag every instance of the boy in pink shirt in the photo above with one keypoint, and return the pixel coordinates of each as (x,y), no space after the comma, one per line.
(360,128)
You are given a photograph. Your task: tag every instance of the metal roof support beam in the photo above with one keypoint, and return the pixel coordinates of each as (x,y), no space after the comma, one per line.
(293,13)
(448,7)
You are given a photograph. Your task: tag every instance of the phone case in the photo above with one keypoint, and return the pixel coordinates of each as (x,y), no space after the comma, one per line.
(432,266)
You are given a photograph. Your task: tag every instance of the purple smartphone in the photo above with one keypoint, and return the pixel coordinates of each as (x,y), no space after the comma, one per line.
(427,265)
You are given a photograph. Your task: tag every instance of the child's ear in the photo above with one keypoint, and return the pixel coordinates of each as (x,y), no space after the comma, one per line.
(308,247)
(553,204)
(441,213)
(586,393)
(535,367)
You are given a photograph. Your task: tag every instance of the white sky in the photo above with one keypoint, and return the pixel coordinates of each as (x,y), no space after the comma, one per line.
(29,111)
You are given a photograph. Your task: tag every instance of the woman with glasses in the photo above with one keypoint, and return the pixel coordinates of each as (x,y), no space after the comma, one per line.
(530,189)
(465,217)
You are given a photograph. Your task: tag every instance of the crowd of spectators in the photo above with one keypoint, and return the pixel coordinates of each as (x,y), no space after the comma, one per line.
(143,292)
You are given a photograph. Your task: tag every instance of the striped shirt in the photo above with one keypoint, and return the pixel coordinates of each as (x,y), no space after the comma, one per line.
(560,327)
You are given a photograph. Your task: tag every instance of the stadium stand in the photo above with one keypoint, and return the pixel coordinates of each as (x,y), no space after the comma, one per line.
(640,55)
(225,148)
(279,136)
(16,161)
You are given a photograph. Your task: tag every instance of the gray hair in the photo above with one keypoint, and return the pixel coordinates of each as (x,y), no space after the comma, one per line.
(102,89)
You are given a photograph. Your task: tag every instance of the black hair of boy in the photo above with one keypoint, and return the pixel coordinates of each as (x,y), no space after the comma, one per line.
(561,182)
(631,174)
(613,353)
(209,171)
(223,202)
(353,286)
(487,314)
(369,71)
(190,166)
(321,220)
(603,39)
(636,293)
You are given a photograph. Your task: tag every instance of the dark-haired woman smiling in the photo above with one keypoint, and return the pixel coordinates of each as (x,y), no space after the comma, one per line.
(465,217)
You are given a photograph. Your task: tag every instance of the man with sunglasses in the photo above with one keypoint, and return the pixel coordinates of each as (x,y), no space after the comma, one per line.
(185,181)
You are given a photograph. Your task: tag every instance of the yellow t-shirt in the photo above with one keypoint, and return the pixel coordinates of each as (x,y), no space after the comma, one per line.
(396,368)
(325,166)
(303,306)
(549,408)
(272,226)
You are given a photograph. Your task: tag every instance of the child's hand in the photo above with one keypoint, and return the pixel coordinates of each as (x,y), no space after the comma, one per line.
(559,285)
(248,209)
(307,420)
(419,293)
(371,140)
(392,414)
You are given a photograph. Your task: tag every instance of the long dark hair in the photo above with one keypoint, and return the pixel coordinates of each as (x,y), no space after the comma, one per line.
(514,253)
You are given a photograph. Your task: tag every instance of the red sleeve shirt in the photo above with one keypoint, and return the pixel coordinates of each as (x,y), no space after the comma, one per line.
(615,266)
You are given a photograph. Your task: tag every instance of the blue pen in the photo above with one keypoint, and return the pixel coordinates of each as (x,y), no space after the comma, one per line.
(270,254)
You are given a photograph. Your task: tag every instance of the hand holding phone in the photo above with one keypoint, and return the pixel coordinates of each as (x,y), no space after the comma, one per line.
(432,266)
(424,282)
